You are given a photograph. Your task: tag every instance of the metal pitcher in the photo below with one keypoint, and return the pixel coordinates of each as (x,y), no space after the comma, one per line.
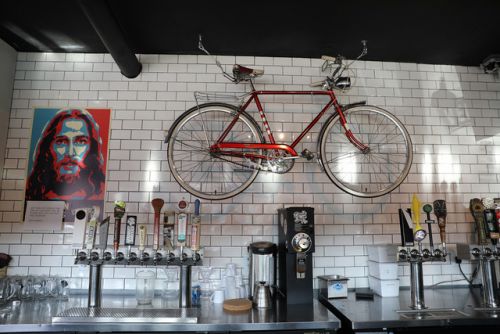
(262,296)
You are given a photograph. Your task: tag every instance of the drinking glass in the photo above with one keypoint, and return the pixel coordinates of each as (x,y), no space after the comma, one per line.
(204,273)
(231,269)
(16,284)
(171,287)
(28,288)
(40,286)
(63,293)
(6,291)
(230,288)
(52,287)
(145,287)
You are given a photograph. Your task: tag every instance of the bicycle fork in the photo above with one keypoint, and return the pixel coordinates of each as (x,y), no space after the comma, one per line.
(343,121)
(339,109)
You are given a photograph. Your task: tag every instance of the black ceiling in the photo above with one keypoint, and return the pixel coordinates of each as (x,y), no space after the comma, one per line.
(435,32)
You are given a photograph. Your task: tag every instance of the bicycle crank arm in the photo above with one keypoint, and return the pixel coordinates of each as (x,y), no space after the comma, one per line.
(289,158)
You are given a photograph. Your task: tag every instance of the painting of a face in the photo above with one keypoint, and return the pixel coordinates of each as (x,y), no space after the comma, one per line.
(70,147)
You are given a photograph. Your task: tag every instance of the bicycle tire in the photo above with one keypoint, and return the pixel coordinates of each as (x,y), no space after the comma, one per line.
(376,172)
(203,173)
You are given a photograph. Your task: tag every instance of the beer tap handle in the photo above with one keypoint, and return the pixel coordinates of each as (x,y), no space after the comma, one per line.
(157,204)
(79,226)
(182,223)
(168,233)
(119,211)
(103,238)
(142,238)
(182,220)
(477,209)
(491,225)
(406,228)
(497,222)
(103,234)
(130,229)
(490,220)
(428,209)
(441,212)
(420,233)
(195,227)
(92,226)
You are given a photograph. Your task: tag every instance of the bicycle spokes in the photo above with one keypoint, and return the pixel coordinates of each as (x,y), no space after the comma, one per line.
(196,162)
(375,170)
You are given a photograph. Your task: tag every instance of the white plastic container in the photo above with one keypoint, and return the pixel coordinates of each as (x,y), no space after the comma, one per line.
(382,253)
(384,288)
(383,270)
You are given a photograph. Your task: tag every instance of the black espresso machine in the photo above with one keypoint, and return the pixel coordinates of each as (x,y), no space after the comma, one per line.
(295,248)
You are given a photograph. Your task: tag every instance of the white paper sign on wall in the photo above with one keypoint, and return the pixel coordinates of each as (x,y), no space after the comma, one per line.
(44,215)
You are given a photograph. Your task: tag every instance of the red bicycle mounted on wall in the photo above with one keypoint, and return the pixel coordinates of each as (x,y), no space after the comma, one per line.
(215,150)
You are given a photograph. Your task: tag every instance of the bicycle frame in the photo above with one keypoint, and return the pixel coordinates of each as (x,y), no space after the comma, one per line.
(220,144)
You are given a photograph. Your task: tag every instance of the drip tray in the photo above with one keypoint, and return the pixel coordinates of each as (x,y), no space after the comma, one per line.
(103,315)
(487,309)
(437,313)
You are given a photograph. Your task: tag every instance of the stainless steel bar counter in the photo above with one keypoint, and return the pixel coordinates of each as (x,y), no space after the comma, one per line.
(37,316)
(447,308)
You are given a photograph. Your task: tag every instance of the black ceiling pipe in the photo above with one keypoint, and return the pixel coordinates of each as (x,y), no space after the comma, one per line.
(105,25)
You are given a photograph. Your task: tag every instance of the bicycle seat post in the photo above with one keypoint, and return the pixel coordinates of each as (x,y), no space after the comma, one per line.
(252,85)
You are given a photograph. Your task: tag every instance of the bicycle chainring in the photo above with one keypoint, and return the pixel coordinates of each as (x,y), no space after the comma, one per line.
(278,162)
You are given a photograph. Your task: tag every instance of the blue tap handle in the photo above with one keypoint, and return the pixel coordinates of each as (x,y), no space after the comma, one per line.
(197,207)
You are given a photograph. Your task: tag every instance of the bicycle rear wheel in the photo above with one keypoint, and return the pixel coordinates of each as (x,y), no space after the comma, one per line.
(206,174)
(380,169)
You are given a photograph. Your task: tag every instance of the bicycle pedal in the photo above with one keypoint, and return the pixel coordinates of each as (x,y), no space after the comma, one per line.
(307,154)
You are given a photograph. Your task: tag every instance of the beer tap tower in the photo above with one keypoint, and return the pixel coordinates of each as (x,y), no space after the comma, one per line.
(486,213)
(173,252)
(416,256)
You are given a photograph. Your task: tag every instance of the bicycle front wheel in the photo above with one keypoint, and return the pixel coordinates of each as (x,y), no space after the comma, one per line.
(210,174)
(379,169)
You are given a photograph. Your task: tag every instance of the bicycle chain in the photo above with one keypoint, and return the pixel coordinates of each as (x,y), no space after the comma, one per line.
(237,163)
(257,167)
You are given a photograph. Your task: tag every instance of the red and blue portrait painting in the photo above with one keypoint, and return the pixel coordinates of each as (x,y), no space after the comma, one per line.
(68,157)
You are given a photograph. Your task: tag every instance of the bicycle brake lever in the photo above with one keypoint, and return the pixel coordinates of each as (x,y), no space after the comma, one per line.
(200,45)
(365,48)
(217,62)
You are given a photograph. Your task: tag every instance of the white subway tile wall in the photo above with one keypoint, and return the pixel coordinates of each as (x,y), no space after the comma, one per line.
(451,112)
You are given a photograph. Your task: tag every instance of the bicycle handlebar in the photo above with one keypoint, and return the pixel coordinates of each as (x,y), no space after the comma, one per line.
(317,83)
(241,73)
(336,64)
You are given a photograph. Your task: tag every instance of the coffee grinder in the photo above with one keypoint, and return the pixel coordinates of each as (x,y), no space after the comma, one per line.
(295,248)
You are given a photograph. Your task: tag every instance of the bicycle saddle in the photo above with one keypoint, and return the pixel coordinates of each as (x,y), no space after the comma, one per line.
(242,73)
